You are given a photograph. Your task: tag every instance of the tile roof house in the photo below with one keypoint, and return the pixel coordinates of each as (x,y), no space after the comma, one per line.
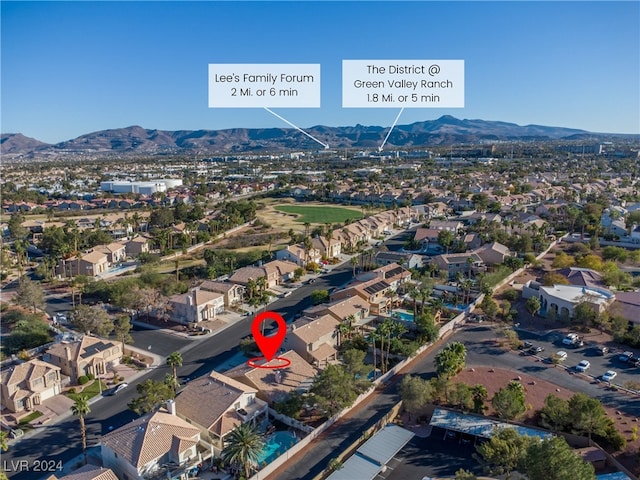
(88,472)
(341,309)
(148,445)
(28,384)
(582,276)
(243,275)
(232,292)
(90,355)
(299,255)
(273,385)
(627,305)
(90,264)
(216,405)
(195,306)
(315,340)
(116,252)
(328,248)
(136,246)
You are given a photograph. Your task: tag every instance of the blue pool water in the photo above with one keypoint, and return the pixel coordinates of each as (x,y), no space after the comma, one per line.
(276,445)
(402,315)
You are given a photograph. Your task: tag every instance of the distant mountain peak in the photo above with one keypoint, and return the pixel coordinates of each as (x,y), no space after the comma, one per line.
(137,140)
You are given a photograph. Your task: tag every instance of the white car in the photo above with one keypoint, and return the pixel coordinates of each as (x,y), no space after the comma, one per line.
(583,366)
(562,355)
(120,387)
(609,375)
(570,339)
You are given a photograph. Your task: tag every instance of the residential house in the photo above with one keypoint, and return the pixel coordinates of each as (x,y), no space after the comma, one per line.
(217,404)
(158,444)
(455,263)
(341,310)
(409,260)
(232,292)
(195,306)
(627,305)
(244,275)
(115,252)
(28,384)
(299,255)
(393,274)
(493,253)
(426,236)
(281,269)
(90,355)
(452,225)
(274,385)
(635,233)
(315,340)
(376,291)
(91,264)
(88,472)
(328,248)
(136,246)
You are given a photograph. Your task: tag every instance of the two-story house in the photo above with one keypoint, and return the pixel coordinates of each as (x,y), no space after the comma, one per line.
(232,292)
(299,255)
(28,384)
(195,306)
(90,355)
(315,340)
(216,405)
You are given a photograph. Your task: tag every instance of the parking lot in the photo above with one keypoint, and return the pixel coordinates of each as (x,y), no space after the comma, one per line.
(599,363)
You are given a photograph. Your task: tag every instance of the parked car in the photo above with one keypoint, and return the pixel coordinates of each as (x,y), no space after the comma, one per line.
(626,357)
(525,346)
(561,355)
(583,366)
(609,375)
(120,387)
(570,339)
(601,350)
(536,349)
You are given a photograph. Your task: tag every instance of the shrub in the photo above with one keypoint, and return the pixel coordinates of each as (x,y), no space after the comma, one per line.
(72,390)
(91,376)
(83,379)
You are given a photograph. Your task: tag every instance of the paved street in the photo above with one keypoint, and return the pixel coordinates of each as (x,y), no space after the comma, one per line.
(62,441)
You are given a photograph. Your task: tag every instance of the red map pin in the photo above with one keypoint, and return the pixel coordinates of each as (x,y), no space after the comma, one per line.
(269,346)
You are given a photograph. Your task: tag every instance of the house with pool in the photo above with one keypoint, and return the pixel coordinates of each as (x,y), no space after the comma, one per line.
(216,404)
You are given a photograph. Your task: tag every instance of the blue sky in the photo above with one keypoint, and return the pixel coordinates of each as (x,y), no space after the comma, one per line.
(70,68)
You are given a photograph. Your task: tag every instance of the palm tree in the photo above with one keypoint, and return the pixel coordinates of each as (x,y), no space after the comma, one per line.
(244,446)
(80,409)
(354,264)
(174,361)
(374,336)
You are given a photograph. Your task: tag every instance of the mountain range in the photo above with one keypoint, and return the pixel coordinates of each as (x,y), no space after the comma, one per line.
(136,140)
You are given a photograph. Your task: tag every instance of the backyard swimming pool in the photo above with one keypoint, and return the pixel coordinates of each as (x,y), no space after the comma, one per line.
(402,315)
(275,445)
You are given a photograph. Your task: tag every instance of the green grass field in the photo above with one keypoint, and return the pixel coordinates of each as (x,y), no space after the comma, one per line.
(320,214)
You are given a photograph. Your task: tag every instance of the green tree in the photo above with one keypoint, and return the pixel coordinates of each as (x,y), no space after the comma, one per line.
(587,415)
(415,393)
(555,414)
(504,452)
(479,394)
(533,305)
(243,448)
(465,475)
(174,360)
(92,319)
(509,401)
(334,388)
(80,409)
(445,239)
(319,296)
(121,328)
(554,459)
(353,360)
(29,294)
(151,395)
(450,360)
(427,328)
(291,405)
(461,397)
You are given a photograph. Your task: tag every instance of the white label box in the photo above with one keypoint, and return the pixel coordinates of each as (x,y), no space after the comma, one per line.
(258,85)
(403,83)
